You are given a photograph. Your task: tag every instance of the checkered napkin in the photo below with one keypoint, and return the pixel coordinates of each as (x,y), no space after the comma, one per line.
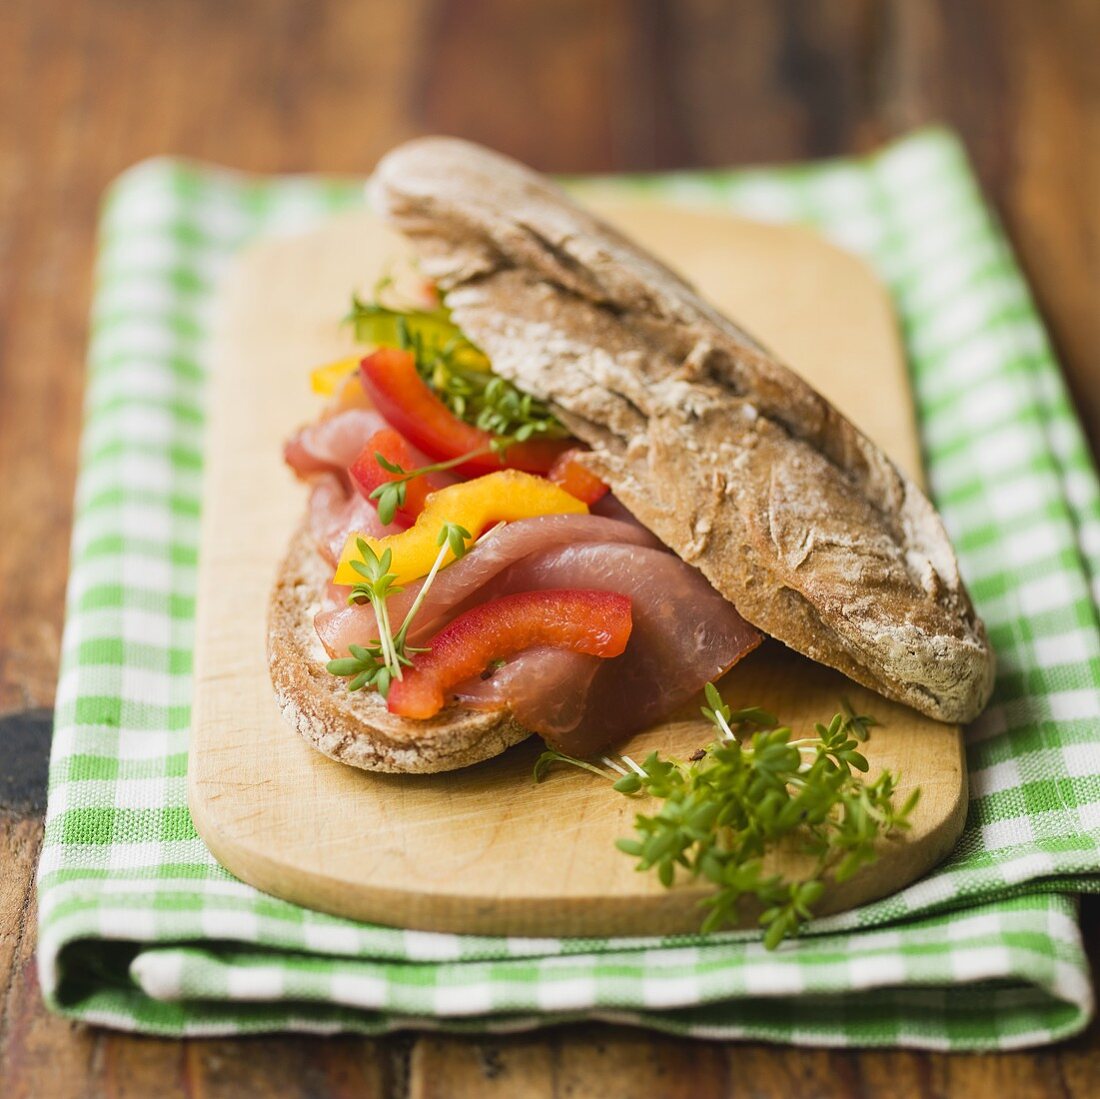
(141,929)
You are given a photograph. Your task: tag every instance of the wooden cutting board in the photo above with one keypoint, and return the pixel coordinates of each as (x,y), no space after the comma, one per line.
(484,850)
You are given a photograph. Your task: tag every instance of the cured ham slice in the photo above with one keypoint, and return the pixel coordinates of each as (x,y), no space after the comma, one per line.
(322,453)
(546,689)
(332,444)
(335,511)
(610,507)
(465,581)
(685,634)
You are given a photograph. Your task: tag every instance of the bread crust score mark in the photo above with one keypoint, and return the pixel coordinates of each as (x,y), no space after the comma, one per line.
(729,457)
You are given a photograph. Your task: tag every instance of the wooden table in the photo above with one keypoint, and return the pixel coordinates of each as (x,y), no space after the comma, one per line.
(89,86)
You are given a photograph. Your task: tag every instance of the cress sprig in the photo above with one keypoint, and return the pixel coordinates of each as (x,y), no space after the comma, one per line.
(383,659)
(741,798)
(457,370)
(391,494)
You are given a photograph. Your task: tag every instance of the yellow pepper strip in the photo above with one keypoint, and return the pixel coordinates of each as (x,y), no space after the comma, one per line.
(503,496)
(327,379)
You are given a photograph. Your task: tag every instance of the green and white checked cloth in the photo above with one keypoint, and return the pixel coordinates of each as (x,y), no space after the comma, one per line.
(141,929)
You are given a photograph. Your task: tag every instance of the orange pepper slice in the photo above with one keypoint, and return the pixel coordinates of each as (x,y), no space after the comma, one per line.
(576,480)
(328,379)
(504,496)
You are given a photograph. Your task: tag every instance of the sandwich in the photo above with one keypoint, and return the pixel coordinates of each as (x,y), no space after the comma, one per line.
(559,493)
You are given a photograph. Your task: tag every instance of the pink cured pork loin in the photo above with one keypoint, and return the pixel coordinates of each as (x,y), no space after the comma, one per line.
(321,453)
(685,634)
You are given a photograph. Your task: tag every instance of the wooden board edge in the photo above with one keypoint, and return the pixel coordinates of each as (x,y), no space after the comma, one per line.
(458,913)
(255,865)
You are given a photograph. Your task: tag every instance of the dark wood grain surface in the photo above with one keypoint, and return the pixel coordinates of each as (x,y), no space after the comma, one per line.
(89,86)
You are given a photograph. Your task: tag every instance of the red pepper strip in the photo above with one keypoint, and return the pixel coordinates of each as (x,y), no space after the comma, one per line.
(594,622)
(367,474)
(575,479)
(400,394)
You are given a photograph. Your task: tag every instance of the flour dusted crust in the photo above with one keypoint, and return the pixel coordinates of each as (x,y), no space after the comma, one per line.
(357,729)
(723,452)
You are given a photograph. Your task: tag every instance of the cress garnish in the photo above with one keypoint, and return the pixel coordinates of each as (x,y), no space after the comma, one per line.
(391,494)
(456,370)
(382,660)
(729,806)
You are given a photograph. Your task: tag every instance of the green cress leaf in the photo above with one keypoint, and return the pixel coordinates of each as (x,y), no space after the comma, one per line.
(386,464)
(455,537)
(722,812)
(552,756)
(380,662)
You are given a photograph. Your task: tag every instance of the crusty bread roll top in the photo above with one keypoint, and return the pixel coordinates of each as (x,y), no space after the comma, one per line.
(728,456)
